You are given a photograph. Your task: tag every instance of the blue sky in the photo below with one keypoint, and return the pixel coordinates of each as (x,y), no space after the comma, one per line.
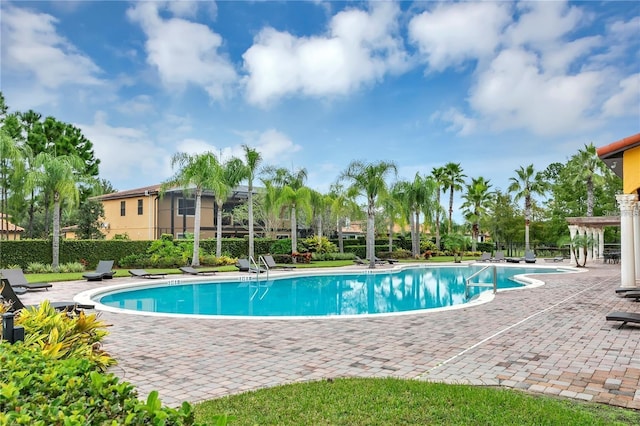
(491,85)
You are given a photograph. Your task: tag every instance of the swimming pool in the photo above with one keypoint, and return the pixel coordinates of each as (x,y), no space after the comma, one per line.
(356,293)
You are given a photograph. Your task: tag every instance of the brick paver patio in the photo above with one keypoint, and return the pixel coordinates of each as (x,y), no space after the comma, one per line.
(552,339)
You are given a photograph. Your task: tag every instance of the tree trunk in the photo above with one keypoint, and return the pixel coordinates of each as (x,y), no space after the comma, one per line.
(474,240)
(589,197)
(294,232)
(416,223)
(438,218)
(390,235)
(320,227)
(450,209)
(371,234)
(219,231)
(340,239)
(195,261)
(250,201)
(56,231)
(527,220)
(413,234)
(31,213)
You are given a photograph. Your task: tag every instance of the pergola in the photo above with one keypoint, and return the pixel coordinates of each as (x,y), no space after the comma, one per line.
(592,227)
(623,157)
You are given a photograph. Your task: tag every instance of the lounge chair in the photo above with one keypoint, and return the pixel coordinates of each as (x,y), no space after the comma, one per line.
(243,265)
(103,270)
(530,256)
(635,294)
(485,257)
(141,273)
(10,295)
(499,257)
(620,290)
(625,317)
(358,261)
(193,271)
(554,259)
(17,280)
(383,261)
(271,263)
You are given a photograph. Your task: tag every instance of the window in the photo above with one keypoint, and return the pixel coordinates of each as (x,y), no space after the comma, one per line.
(186,206)
(123,208)
(139,207)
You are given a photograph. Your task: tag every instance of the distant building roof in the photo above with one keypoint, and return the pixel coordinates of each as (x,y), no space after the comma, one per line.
(5,225)
(154,190)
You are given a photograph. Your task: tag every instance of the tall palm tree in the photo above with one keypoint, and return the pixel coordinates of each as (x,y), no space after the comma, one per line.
(252,160)
(453,179)
(587,169)
(230,174)
(195,173)
(343,206)
(392,206)
(320,203)
(294,195)
(477,199)
(438,176)
(369,180)
(59,177)
(525,185)
(10,154)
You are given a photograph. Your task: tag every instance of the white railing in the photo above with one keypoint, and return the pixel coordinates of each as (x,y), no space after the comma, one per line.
(493,284)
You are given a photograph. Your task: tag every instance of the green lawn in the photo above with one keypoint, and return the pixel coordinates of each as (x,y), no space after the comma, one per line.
(405,402)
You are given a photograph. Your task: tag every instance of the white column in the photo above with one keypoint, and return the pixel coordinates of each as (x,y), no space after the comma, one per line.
(573,229)
(589,232)
(627,203)
(600,243)
(636,241)
(581,231)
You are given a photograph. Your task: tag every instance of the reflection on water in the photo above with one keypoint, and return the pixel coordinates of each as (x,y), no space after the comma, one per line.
(398,291)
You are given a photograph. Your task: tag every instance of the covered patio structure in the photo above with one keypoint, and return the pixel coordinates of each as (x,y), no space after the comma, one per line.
(623,157)
(591,227)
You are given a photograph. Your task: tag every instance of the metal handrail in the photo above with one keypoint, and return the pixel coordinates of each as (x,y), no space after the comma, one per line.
(475,274)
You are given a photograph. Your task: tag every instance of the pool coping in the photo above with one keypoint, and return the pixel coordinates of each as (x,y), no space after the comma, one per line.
(87,297)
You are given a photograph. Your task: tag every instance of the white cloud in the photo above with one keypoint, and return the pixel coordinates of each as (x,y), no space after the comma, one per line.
(543,23)
(361,47)
(32,46)
(454,33)
(626,101)
(514,93)
(126,154)
(184,52)
(140,104)
(460,123)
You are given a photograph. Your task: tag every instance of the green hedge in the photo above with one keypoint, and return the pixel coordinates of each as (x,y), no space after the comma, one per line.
(361,251)
(89,252)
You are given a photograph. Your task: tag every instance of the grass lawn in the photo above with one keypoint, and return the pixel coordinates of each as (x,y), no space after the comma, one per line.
(405,402)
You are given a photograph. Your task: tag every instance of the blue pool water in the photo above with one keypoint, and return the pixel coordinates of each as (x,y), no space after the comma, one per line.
(317,295)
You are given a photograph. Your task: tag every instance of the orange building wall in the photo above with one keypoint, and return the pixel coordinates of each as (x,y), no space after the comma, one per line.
(631,170)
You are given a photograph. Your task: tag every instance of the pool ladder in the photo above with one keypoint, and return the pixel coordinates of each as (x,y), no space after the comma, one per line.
(493,285)
(258,273)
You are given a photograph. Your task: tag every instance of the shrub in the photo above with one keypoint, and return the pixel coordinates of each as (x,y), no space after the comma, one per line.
(38,389)
(63,334)
(332,256)
(71,267)
(395,254)
(282,246)
(318,245)
(35,268)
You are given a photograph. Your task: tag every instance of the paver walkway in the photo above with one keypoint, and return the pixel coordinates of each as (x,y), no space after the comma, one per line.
(552,339)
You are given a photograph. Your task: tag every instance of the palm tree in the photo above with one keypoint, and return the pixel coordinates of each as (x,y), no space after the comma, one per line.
(319,203)
(438,176)
(586,168)
(58,177)
(342,207)
(293,194)
(525,185)
(252,161)
(10,154)
(392,206)
(453,180)
(195,173)
(368,179)
(230,174)
(476,203)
